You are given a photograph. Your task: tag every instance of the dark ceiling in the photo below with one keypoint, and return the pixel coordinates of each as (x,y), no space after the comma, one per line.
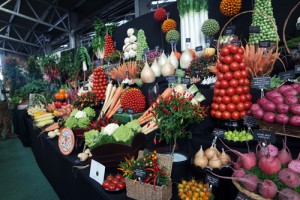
(27,25)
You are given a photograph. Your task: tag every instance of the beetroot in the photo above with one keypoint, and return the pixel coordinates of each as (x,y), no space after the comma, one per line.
(289,178)
(284,88)
(267,189)
(282,119)
(269,117)
(295,109)
(290,100)
(277,100)
(272,94)
(269,165)
(282,108)
(288,194)
(295,166)
(290,92)
(295,120)
(284,156)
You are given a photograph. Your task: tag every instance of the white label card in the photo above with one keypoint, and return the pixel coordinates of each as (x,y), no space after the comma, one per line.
(97,171)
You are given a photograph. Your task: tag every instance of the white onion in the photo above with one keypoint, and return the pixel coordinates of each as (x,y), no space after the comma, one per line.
(174,60)
(225,158)
(210,152)
(156,68)
(185,59)
(162,59)
(147,75)
(215,162)
(201,161)
(168,69)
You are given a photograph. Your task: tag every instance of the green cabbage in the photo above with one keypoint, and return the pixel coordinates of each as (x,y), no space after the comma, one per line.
(123,134)
(71,122)
(73,113)
(134,126)
(83,122)
(90,112)
(90,137)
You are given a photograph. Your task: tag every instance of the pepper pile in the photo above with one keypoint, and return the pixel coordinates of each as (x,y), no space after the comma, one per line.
(109,46)
(194,190)
(99,83)
(133,98)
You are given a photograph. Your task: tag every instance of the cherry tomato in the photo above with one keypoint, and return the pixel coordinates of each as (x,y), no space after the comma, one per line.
(238,58)
(219,65)
(246,89)
(235,99)
(242,66)
(215,106)
(216,91)
(105,184)
(224,84)
(233,83)
(247,105)
(241,81)
(217,84)
(231,107)
(230,91)
(234,66)
(228,76)
(241,51)
(243,114)
(226,100)
(121,185)
(225,68)
(240,107)
(222,92)
(247,82)
(220,76)
(228,59)
(249,97)
(237,74)
(225,51)
(222,107)
(244,73)
(218,115)
(235,115)
(212,113)
(239,90)
(218,99)
(234,49)
(243,98)
(226,115)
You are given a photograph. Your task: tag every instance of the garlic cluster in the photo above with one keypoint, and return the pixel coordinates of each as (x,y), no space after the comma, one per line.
(130,45)
(84,155)
(209,80)
(52,134)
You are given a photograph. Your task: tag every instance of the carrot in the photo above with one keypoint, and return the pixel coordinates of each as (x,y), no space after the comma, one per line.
(107,93)
(116,97)
(114,110)
(52,127)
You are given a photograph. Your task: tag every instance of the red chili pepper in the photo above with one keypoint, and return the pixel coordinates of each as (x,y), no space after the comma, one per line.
(154,141)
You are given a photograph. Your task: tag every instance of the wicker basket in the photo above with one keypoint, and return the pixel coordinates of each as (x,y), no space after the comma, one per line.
(145,191)
(252,195)
(280,129)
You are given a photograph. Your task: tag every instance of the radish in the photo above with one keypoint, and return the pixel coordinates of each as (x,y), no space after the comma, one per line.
(295,109)
(269,165)
(272,94)
(282,119)
(277,100)
(238,164)
(269,106)
(284,88)
(290,92)
(282,108)
(262,101)
(295,166)
(269,117)
(295,85)
(239,173)
(254,107)
(284,156)
(269,150)
(290,100)
(258,113)
(295,120)
(288,194)
(267,189)
(289,178)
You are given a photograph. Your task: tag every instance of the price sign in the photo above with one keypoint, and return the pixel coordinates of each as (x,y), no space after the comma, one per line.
(130,111)
(199,48)
(249,121)
(85,88)
(264,136)
(297,69)
(261,82)
(196,73)
(207,39)
(188,40)
(185,81)
(242,196)
(120,110)
(264,44)
(118,79)
(140,174)
(254,29)
(298,26)
(231,124)
(212,180)
(217,132)
(290,74)
(172,79)
(229,30)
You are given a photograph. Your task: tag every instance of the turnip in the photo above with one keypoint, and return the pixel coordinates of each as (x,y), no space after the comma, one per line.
(295,166)
(282,108)
(269,117)
(289,178)
(269,150)
(282,119)
(269,165)
(239,173)
(295,120)
(284,156)
(284,88)
(258,113)
(277,100)
(272,94)
(269,106)
(295,109)
(290,100)
(267,189)
(290,92)
(288,194)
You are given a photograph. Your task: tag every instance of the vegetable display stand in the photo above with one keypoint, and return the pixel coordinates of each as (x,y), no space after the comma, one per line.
(111,154)
(279,129)
(145,191)
(248,193)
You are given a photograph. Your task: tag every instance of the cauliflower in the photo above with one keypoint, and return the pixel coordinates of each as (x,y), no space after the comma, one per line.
(132,54)
(71,122)
(90,112)
(126,40)
(80,114)
(132,39)
(83,122)
(110,128)
(130,32)
(133,47)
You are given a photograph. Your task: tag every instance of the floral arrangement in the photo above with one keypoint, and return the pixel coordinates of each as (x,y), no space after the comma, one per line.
(148,170)
(86,100)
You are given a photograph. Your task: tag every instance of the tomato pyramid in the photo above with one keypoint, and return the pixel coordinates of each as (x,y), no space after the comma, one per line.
(99,83)
(232,98)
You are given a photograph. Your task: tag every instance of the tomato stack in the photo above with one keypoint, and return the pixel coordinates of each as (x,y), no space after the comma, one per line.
(99,83)
(232,98)
(114,183)
(108,46)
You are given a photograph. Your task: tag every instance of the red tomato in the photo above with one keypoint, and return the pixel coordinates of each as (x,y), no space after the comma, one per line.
(235,99)
(234,49)
(224,84)
(243,114)
(226,100)
(225,68)
(239,90)
(228,76)
(231,107)
(222,92)
(222,107)
(235,115)
(218,99)
(111,187)
(109,177)
(230,91)
(217,84)
(226,115)
(244,73)
(242,81)
(228,59)
(228,46)
(115,180)
(249,97)
(241,51)
(216,91)
(237,74)
(105,184)
(121,185)
(243,98)
(240,107)
(218,115)
(247,105)
(119,176)
(220,76)
(238,58)
(219,65)
(247,82)
(212,113)
(242,66)
(221,58)
(246,89)
(215,106)
(233,83)
(234,66)
(225,51)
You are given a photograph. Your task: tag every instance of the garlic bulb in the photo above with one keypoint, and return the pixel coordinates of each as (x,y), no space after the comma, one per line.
(168,69)
(162,59)
(174,60)
(156,68)
(147,74)
(185,59)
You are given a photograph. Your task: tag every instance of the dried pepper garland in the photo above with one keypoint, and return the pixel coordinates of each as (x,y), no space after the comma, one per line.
(86,100)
